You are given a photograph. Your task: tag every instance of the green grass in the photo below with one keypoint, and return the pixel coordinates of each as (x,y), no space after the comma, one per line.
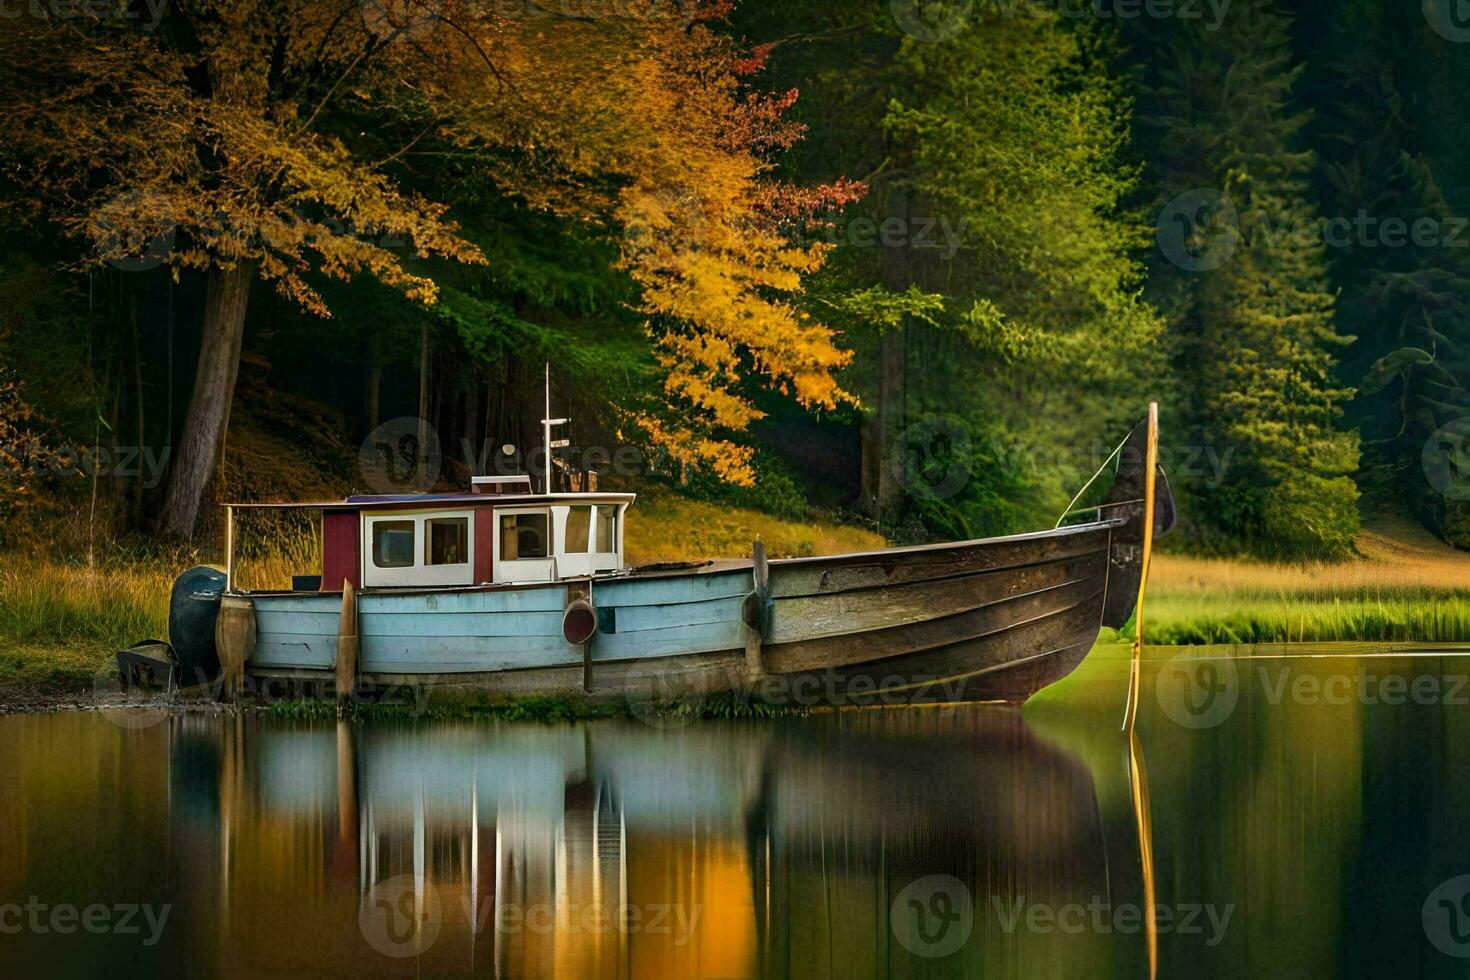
(60,623)
(1411,615)
(465,705)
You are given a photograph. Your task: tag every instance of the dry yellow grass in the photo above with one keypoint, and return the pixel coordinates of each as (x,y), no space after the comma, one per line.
(667,528)
(1397,557)
(1406,586)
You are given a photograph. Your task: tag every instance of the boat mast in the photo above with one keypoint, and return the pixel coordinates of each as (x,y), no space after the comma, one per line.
(546,423)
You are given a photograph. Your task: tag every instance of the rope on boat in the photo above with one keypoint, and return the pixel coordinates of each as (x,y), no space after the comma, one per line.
(1111,456)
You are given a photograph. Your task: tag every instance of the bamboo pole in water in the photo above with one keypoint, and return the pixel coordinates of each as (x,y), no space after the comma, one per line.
(1151,465)
(1143,820)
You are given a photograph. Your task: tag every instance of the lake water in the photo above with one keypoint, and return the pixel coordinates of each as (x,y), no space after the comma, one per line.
(1301,816)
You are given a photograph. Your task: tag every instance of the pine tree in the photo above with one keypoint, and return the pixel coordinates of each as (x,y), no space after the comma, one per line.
(1246,287)
(1401,290)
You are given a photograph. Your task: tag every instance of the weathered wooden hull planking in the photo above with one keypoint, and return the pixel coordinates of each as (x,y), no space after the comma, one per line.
(991,619)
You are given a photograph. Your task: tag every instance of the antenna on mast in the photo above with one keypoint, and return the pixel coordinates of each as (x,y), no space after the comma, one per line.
(546,424)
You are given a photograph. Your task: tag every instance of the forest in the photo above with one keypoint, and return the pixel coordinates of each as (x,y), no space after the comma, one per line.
(913,267)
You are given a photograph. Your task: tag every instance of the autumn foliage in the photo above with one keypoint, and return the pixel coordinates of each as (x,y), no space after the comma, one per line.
(288,137)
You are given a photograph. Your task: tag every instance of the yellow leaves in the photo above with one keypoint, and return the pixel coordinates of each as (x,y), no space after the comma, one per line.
(688,448)
(619,120)
(719,277)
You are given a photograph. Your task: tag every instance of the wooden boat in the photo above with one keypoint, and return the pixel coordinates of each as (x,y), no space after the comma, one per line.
(514,591)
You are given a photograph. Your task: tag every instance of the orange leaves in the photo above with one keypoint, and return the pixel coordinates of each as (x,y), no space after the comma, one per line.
(286,134)
(704,236)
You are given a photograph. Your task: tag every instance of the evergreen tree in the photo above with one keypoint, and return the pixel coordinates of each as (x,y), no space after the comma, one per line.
(1002,321)
(1400,275)
(1243,275)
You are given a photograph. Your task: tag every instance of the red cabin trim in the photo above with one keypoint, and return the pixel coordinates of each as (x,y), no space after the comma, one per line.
(484,544)
(341,549)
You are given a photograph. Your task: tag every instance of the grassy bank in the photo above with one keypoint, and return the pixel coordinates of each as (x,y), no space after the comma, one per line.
(1405,585)
(59,624)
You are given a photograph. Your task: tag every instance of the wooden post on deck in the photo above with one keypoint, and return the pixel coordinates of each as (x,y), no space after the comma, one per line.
(753,611)
(347,646)
(229,547)
(1150,479)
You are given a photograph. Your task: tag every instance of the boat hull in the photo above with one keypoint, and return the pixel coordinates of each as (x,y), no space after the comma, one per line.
(986,620)
(995,619)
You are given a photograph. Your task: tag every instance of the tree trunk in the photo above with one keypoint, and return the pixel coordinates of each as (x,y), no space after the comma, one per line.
(372,380)
(471,423)
(225,302)
(423,430)
(883,490)
(889,421)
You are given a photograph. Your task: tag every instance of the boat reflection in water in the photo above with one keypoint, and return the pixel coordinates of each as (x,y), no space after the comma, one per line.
(859,843)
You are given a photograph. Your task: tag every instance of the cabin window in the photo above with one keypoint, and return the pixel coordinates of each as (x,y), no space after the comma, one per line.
(446,541)
(607,525)
(418,549)
(393,544)
(579,530)
(524,536)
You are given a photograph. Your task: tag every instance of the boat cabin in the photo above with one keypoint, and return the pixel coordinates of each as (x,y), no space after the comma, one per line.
(502,533)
